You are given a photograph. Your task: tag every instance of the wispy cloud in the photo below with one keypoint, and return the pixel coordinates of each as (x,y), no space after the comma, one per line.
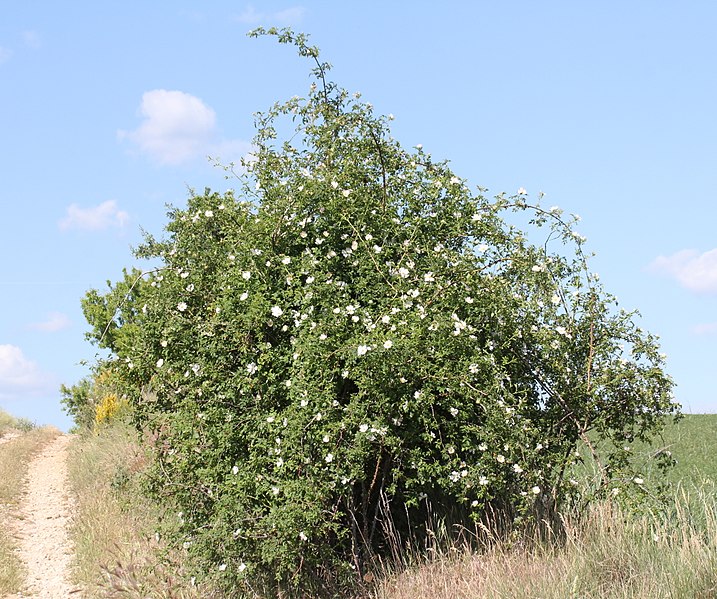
(178,128)
(707,328)
(32,39)
(95,218)
(19,376)
(693,270)
(5,54)
(251,16)
(55,321)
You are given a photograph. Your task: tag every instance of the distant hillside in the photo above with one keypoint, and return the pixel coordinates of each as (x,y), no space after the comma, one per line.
(9,422)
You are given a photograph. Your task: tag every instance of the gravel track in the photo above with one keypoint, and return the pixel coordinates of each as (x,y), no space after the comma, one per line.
(41,525)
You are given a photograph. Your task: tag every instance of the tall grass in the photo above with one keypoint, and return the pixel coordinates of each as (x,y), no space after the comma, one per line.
(605,554)
(117,550)
(15,455)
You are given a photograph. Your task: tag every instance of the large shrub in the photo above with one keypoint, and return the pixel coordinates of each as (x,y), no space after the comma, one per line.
(355,342)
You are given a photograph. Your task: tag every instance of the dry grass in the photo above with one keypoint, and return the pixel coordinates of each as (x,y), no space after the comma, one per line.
(608,555)
(14,457)
(6,422)
(117,551)
(10,424)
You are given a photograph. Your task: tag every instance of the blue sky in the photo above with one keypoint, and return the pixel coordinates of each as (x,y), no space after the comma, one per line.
(109,110)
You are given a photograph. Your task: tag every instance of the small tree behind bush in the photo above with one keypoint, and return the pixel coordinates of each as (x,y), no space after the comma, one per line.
(355,342)
(97,399)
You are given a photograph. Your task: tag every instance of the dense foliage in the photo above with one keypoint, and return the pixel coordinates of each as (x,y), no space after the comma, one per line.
(355,342)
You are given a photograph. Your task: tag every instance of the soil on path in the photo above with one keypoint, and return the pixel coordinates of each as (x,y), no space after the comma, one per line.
(9,436)
(42,525)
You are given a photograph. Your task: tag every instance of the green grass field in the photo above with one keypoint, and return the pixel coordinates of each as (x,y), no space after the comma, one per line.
(693,443)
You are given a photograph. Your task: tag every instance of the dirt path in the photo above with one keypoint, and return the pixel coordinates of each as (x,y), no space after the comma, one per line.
(41,527)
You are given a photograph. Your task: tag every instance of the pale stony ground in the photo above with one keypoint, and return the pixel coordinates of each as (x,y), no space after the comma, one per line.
(9,436)
(41,525)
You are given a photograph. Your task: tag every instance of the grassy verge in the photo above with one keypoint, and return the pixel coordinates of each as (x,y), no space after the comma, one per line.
(14,457)
(608,555)
(117,551)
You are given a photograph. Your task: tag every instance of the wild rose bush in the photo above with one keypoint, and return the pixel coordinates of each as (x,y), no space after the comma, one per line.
(355,342)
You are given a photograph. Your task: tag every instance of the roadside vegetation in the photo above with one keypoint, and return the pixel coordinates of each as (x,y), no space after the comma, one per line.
(354,365)
(606,552)
(10,424)
(118,549)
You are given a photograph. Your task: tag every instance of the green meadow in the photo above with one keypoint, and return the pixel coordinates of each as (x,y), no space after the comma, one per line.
(693,443)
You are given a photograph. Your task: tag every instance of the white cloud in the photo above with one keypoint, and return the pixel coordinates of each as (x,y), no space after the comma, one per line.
(55,321)
(95,218)
(693,270)
(19,376)
(5,54)
(178,128)
(250,16)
